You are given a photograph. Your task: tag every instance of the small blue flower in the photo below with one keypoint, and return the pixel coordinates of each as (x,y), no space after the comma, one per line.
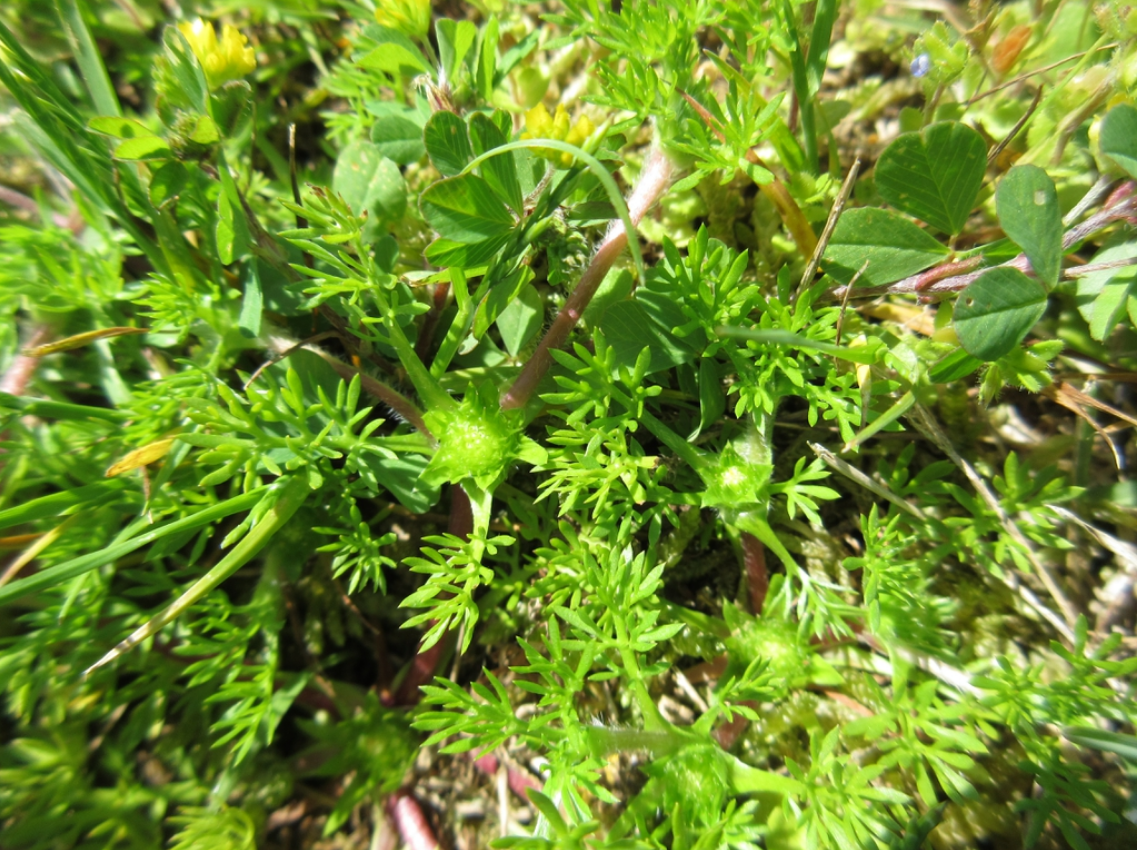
(921,65)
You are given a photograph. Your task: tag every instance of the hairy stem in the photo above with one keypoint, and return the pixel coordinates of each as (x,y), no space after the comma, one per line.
(654,180)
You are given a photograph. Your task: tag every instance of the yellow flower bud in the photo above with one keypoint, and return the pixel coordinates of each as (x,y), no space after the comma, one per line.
(539,124)
(408,16)
(228,60)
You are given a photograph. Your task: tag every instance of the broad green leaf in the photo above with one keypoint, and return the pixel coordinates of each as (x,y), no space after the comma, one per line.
(402,477)
(997,311)
(1027,203)
(232,226)
(952,367)
(1119,137)
(487,58)
(167,182)
(1103,296)
(230,106)
(499,171)
(397,133)
(447,143)
(396,54)
(370,183)
(446,252)
(519,322)
(252,304)
(935,174)
(499,297)
(120,128)
(465,209)
(226,231)
(88,57)
(455,38)
(205,131)
(712,397)
(629,329)
(616,286)
(145,147)
(894,247)
(185,73)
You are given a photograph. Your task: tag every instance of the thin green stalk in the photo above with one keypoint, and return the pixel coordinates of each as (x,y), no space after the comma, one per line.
(425,384)
(653,720)
(292,495)
(458,328)
(85,563)
(684,450)
(90,61)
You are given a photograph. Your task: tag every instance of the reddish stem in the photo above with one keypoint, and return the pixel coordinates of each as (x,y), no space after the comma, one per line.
(728,734)
(757,579)
(19,374)
(1124,210)
(393,399)
(411,823)
(654,179)
(932,276)
(519,782)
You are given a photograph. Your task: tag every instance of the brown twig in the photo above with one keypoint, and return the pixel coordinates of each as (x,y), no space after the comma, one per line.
(1041,70)
(1007,139)
(288,352)
(830,225)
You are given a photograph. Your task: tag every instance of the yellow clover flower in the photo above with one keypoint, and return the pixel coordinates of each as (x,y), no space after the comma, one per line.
(408,16)
(539,124)
(228,60)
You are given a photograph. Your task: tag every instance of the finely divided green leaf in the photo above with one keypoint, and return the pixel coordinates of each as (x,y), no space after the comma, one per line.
(1027,203)
(894,247)
(995,313)
(1111,742)
(935,174)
